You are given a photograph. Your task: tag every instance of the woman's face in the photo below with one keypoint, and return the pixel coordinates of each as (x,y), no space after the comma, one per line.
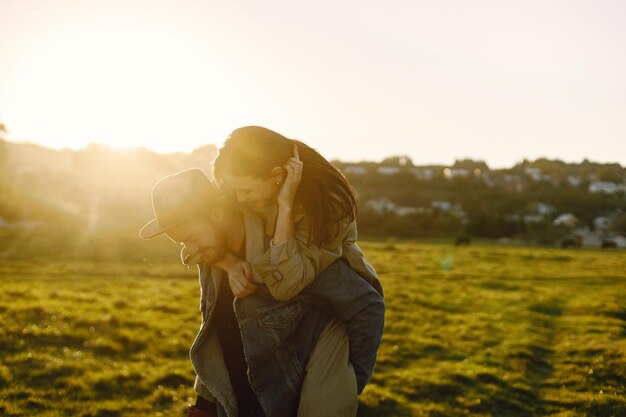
(254,192)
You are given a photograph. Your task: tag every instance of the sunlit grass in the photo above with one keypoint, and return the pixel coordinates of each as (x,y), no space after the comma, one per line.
(472,331)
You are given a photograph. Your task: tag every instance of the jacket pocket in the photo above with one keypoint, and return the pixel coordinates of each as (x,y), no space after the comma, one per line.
(279,321)
(279,316)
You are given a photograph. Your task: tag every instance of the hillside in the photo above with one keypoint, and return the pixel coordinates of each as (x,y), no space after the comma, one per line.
(91,202)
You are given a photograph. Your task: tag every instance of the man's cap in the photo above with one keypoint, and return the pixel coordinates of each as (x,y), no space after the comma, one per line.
(178,198)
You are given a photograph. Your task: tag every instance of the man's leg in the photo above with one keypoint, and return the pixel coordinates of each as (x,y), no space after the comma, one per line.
(329,388)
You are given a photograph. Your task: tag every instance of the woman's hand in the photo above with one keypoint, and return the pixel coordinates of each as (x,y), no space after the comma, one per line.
(239,275)
(240,279)
(293,170)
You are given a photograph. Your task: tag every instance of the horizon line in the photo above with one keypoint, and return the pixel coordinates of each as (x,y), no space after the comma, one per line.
(143,148)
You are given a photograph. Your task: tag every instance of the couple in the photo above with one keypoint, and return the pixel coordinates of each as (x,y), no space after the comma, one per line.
(292,313)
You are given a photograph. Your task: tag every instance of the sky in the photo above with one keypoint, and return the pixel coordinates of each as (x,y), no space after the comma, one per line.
(441,80)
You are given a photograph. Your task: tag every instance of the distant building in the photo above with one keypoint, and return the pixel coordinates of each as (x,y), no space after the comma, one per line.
(598,238)
(534,173)
(384,206)
(381,205)
(513,183)
(603,187)
(355,170)
(441,205)
(422,173)
(589,239)
(533,218)
(487,179)
(573,181)
(620,241)
(408,210)
(455,172)
(388,170)
(458,212)
(601,223)
(566,219)
(527,218)
(544,209)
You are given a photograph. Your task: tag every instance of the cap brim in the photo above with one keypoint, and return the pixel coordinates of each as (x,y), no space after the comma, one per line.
(151,229)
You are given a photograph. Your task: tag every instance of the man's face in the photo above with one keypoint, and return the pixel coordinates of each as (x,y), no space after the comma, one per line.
(202,241)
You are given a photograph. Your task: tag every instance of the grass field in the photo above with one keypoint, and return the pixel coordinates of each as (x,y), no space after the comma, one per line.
(471,331)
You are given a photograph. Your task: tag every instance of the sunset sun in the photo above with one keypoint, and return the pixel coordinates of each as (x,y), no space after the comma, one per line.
(118,84)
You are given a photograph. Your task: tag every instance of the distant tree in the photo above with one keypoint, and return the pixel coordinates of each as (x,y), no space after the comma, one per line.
(471,164)
(612,173)
(618,222)
(397,161)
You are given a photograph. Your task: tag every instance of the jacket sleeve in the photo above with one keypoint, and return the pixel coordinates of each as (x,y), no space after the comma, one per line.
(288,268)
(344,293)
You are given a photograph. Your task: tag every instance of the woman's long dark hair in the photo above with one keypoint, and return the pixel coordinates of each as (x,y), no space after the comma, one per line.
(325,194)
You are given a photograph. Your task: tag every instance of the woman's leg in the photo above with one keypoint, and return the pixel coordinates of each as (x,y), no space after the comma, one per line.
(329,387)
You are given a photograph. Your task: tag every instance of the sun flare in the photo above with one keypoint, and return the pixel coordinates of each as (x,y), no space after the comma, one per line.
(118,84)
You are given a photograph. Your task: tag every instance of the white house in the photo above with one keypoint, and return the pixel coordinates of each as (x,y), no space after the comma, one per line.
(589,239)
(381,205)
(407,210)
(566,219)
(527,218)
(388,170)
(455,172)
(534,173)
(620,241)
(601,223)
(544,209)
(487,179)
(355,170)
(603,187)
(573,181)
(533,218)
(422,173)
(441,205)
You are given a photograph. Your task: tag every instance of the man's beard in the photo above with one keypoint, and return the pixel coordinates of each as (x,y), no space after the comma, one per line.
(208,255)
(204,255)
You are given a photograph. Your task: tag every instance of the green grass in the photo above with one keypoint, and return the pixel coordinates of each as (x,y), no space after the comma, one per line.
(471,331)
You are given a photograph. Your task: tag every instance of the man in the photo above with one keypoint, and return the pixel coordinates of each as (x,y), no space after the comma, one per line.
(248,352)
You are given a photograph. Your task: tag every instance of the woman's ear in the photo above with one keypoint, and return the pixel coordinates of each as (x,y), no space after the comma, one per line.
(277,174)
(217,214)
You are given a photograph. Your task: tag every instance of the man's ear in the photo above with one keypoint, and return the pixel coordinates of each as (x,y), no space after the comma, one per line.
(277,173)
(217,214)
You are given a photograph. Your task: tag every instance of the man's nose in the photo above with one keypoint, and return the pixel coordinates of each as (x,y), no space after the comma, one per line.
(191,248)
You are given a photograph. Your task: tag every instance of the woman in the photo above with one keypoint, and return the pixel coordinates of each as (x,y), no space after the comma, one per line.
(309,210)
(308,206)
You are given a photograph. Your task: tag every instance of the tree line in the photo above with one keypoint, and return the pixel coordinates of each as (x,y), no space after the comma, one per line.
(94,200)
